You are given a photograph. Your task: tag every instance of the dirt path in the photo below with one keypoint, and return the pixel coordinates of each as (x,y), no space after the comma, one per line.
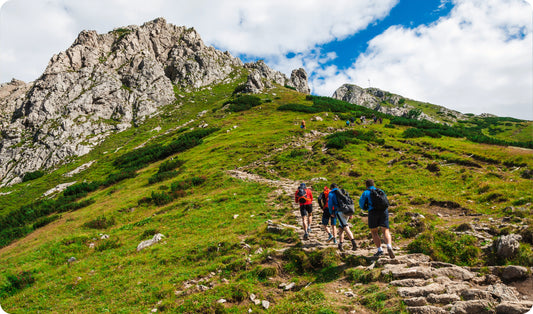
(317,237)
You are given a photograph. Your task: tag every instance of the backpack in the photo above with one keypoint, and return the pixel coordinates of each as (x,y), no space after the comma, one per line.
(379,200)
(323,200)
(302,195)
(345,202)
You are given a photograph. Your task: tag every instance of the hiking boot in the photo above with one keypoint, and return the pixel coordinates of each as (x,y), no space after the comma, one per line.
(334,241)
(340,247)
(391,253)
(306,236)
(308,229)
(378,254)
(330,238)
(354,245)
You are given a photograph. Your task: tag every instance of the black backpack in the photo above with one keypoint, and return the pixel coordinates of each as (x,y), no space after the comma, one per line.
(302,195)
(345,202)
(379,200)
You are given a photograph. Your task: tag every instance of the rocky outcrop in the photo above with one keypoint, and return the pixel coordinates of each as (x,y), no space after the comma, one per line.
(261,77)
(106,83)
(385,102)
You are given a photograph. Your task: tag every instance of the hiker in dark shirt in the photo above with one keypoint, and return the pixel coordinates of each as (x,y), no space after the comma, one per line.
(327,217)
(376,219)
(343,219)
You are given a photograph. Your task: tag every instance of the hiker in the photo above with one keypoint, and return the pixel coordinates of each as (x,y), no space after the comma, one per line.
(352,120)
(304,197)
(380,119)
(362,119)
(302,124)
(327,217)
(347,123)
(378,216)
(375,119)
(334,209)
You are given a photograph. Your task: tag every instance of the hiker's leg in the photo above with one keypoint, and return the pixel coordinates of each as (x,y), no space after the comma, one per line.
(304,223)
(375,237)
(348,232)
(387,235)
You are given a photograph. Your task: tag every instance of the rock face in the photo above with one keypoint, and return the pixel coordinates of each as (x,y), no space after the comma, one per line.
(106,83)
(374,98)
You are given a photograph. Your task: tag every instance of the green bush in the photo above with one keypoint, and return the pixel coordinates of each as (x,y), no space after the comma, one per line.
(101,222)
(32,175)
(41,222)
(243,103)
(16,283)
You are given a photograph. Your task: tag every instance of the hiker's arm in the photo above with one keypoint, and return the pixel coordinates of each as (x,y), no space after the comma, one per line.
(362,200)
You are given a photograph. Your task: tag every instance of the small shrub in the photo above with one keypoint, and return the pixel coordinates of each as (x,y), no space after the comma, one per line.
(413,133)
(16,282)
(266,272)
(161,198)
(357,275)
(33,175)
(170,165)
(162,176)
(100,222)
(108,244)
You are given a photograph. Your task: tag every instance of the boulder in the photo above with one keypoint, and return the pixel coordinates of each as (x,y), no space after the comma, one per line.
(514,307)
(507,246)
(513,273)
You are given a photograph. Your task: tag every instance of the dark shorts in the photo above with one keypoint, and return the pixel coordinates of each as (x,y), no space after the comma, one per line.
(378,220)
(326,219)
(306,209)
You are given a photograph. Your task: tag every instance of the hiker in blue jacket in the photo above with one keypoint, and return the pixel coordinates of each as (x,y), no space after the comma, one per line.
(376,220)
(343,219)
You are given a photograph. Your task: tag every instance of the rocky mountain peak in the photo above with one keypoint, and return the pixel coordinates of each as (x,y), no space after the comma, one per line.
(105,83)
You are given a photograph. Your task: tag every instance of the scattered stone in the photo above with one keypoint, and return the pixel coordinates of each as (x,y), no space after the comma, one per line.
(235,216)
(71,260)
(507,245)
(290,286)
(265,304)
(104,236)
(202,287)
(91,245)
(349,294)
(258,251)
(144,244)
(222,301)
(513,273)
(252,297)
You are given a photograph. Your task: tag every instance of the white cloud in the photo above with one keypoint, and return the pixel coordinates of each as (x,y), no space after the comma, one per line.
(33,30)
(479,59)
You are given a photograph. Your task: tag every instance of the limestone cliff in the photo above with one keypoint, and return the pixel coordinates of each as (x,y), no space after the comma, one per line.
(106,83)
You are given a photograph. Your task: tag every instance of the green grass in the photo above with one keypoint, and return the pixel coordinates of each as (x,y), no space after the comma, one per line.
(202,238)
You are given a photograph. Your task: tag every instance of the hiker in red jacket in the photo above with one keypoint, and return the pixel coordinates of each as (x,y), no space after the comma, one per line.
(304,197)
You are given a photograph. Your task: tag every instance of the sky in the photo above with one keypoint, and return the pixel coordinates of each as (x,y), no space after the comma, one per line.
(474,56)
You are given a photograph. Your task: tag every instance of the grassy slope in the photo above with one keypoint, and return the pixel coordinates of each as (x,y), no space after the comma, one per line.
(201,235)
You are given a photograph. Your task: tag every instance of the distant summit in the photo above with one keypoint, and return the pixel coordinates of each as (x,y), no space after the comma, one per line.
(106,83)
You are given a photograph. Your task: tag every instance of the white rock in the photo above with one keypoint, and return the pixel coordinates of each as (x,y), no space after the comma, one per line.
(265,304)
(144,244)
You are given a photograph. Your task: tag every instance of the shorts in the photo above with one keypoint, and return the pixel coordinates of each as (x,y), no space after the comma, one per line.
(326,219)
(343,220)
(378,220)
(306,209)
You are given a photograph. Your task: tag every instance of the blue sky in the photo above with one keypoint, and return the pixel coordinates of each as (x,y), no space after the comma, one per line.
(469,55)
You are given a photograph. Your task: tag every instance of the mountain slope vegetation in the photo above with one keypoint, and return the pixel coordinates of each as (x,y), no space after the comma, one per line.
(217,242)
